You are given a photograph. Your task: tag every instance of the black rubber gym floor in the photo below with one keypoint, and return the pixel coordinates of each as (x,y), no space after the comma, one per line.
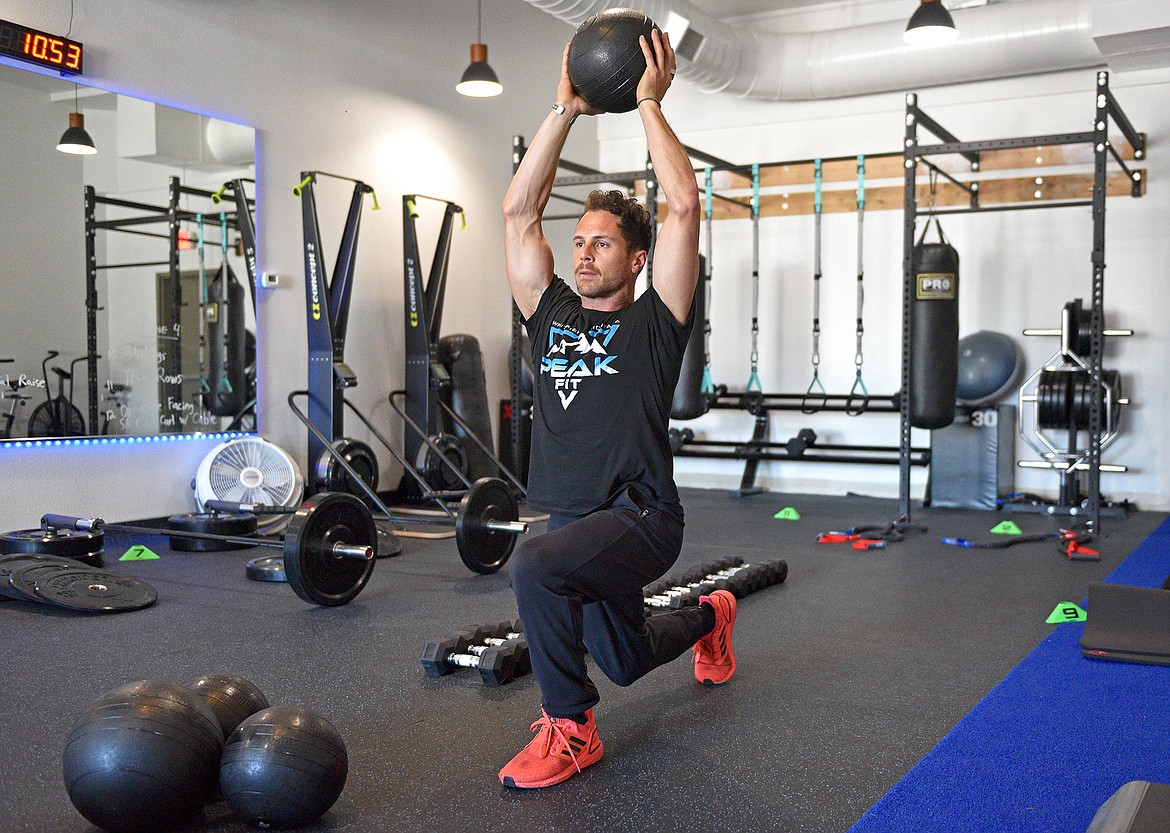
(848,674)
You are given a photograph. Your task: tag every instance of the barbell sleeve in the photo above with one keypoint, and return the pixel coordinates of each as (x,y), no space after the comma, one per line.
(511,527)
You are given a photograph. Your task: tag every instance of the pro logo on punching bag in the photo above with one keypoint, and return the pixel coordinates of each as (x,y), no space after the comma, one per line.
(934,332)
(937,286)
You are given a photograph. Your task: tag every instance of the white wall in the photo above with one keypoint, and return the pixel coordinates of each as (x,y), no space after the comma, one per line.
(1017,270)
(354,88)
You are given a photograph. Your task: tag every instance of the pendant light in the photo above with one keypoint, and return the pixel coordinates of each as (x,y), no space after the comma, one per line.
(75,139)
(930,25)
(479,80)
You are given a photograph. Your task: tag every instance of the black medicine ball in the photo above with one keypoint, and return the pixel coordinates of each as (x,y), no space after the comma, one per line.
(606,61)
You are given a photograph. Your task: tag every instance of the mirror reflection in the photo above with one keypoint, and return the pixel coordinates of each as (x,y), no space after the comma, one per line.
(127,276)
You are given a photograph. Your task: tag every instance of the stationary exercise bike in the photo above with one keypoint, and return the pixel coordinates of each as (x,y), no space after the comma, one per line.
(17,399)
(57,416)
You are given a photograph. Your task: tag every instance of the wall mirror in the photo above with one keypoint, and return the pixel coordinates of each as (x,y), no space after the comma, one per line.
(127,276)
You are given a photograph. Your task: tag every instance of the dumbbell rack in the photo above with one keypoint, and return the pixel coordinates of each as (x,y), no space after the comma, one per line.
(726,574)
(1058,397)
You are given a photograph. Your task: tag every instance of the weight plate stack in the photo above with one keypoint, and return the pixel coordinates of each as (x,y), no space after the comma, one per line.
(210,523)
(64,583)
(10,564)
(85,547)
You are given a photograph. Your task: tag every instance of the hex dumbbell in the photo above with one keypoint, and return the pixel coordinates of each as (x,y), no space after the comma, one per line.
(499,652)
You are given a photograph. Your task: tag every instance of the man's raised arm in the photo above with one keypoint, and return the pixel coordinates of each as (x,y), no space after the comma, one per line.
(528,259)
(676,248)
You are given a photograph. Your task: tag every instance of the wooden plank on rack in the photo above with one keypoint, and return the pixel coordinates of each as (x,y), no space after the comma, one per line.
(1054,188)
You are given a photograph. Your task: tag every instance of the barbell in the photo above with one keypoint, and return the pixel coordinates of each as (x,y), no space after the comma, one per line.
(486,523)
(329,545)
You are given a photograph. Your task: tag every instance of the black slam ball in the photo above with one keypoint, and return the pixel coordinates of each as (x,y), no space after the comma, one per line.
(231,699)
(606,61)
(143,758)
(283,767)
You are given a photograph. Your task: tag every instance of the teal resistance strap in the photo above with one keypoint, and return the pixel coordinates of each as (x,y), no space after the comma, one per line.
(707,387)
(753,385)
(859,389)
(815,397)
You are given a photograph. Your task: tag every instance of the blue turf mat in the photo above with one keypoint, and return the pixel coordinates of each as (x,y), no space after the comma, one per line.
(1049,744)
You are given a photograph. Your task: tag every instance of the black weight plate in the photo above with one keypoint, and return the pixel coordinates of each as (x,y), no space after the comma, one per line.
(315,573)
(10,563)
(485,550)
(23,579)
(267,568)
(95,591)
(210,523)
(68,543)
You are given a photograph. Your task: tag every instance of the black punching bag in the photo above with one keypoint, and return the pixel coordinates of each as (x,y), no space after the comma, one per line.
(227,374)
(934,332)
(689,401)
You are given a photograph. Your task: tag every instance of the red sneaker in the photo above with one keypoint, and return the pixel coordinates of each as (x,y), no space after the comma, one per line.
(559,751)
(714,660)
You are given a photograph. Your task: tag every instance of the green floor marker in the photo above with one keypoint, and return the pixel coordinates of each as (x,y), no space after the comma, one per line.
(1006,528)
(1066,612)
(139,553)
(787,514)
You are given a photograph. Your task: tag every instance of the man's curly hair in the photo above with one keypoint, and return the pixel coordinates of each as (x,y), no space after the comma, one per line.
(633,219)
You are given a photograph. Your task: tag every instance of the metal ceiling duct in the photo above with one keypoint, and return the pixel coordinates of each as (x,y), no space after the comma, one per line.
(1000,40)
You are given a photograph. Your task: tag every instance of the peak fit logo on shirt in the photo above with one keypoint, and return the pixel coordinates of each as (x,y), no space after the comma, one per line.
(573,355)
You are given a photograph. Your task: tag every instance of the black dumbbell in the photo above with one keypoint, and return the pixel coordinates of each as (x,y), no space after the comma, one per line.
(498,652)
(687,595)
(804,440)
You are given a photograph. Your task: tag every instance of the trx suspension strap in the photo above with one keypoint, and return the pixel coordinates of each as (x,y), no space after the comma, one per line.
(206,388)
(753,385)
(706,387)
(223,385)
(859,388)
(815,397)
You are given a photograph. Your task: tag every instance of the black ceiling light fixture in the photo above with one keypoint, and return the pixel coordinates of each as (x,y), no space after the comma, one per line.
(75,139)
(930,25)
(479,80)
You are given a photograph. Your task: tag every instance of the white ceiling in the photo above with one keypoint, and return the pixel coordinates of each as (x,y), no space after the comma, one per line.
(724,9)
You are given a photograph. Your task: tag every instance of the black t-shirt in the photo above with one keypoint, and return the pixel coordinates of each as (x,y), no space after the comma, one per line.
(602,396)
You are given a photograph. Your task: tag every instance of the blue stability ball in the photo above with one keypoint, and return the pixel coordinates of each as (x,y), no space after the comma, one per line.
(990,365)
(606,61)
(143,758)
(283,767)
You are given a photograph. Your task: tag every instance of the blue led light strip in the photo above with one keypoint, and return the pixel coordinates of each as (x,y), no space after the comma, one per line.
(98,441)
